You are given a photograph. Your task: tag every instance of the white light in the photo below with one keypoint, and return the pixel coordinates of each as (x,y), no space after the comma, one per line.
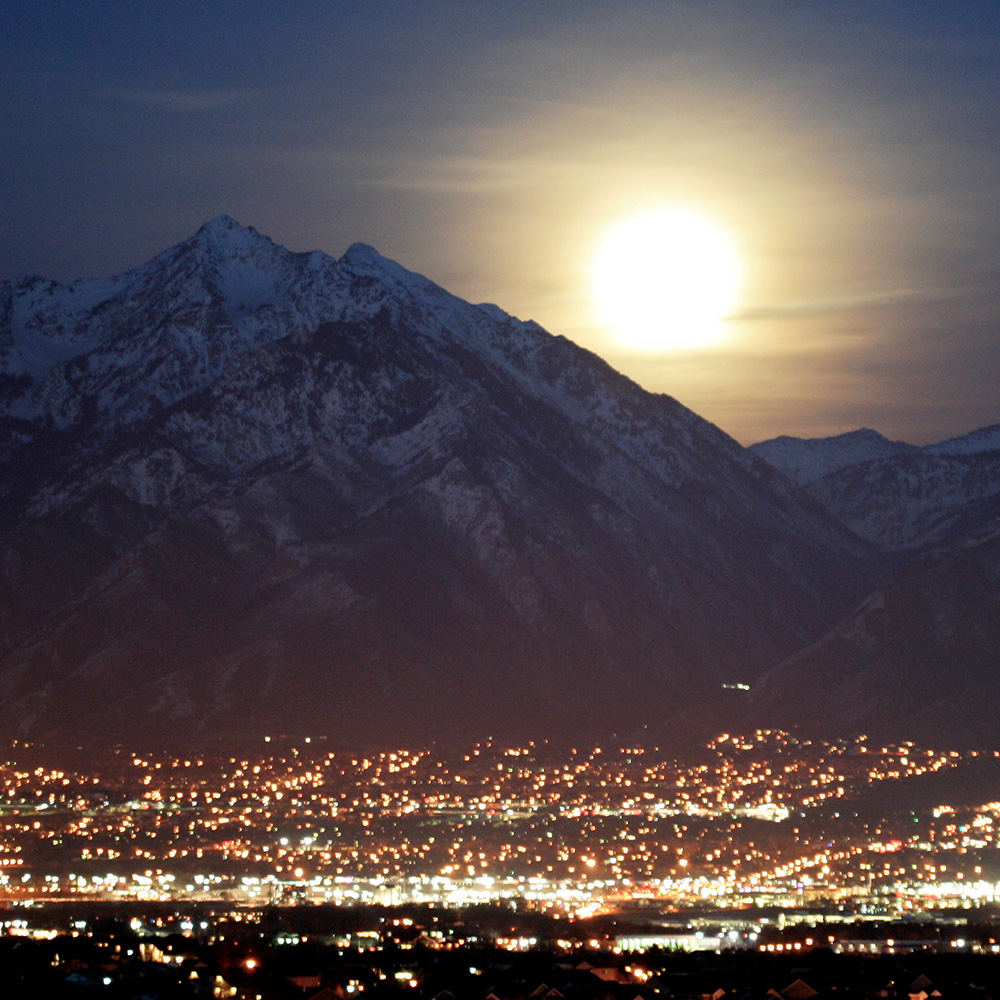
(665,279)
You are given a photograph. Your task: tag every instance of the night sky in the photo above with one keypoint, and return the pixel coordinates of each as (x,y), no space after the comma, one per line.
(850,149)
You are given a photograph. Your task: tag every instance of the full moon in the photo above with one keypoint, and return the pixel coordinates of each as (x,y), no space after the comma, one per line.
(665,280)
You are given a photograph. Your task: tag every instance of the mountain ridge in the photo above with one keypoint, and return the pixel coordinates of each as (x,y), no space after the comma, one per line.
(806,460)
(898,496)
(299,491)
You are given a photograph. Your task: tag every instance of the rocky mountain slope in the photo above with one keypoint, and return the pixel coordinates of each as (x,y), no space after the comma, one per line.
(916,502)
(247,489)
(897,496)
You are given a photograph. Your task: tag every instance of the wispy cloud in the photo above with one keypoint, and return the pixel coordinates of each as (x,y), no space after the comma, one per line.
(824,307)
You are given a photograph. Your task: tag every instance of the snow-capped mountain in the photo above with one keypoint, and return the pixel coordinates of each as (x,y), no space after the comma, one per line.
(898,496)
(130,344)
(806,460)
(243,488)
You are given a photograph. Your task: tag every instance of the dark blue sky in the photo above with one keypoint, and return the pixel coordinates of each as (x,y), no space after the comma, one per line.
(851,149)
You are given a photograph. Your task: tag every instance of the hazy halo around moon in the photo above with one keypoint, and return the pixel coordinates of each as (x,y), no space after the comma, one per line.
(665,279)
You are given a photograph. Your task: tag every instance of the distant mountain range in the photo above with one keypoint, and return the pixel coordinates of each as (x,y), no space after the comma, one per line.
(249,490)
(896,495)
(807,460)
(920,659)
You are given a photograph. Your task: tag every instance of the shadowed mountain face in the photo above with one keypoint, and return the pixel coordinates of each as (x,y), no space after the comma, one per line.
(918,660)
(250,490)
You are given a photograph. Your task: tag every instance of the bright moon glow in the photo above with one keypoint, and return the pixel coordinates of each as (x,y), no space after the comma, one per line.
(665,279)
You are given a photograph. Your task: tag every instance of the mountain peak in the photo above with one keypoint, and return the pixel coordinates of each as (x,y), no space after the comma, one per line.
(221,223)
(807,460)
(362,252)
(223,235)
(362,257)
(862,434)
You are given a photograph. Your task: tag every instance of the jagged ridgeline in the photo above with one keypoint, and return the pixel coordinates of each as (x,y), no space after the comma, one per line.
(250,490)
